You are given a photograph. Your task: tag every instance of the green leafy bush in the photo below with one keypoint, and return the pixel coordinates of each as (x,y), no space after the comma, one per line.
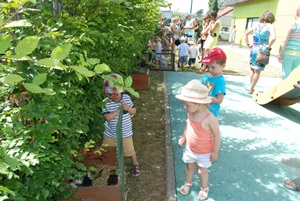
(51,72)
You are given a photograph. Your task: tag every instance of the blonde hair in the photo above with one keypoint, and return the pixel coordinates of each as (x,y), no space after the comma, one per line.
(157,39)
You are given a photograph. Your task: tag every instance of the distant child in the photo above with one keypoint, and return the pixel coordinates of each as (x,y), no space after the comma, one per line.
(215,61)
(201,134)
(158,51)
(110,112)
(151,46)
(183,52)
(232,35)
(193,52)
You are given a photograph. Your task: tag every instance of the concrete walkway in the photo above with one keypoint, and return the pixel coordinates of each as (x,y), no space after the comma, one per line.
(254,138)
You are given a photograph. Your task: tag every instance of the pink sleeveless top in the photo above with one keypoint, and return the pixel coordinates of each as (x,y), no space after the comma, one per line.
(200,141)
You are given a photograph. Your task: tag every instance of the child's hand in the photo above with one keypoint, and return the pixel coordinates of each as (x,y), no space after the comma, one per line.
(126,107)
(213,156)
(181,141)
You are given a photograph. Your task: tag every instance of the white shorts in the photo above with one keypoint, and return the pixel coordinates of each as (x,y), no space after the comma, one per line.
(202,160)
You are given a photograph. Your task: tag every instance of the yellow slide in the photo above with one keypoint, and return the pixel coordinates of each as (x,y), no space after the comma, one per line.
(286,93)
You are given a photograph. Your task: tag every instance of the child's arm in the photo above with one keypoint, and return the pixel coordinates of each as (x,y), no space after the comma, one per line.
(111,115)
(218,99)
(214,126)
(182,140)
(131,110)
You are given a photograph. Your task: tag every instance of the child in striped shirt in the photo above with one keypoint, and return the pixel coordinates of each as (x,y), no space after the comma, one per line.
(110,112)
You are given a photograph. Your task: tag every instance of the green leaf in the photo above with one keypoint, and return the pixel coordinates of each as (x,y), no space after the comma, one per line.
(101,68)
(51,63)
(12,79)
(128,81)
(2,188)
(49,91)
(132,92)
(19,23)
(27,45)
(40,79)
(45,192)
(4,43)
(83,71)
(80,77)
(3,168)
(33,88)
(20,58)
(93,61)
(61,52)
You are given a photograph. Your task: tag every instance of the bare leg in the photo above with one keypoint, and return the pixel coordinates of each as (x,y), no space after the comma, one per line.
(189,172)
(133,159)
(251,75)
(203,174)
(254,80)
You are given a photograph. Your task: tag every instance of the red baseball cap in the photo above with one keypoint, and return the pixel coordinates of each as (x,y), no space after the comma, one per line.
(213,55)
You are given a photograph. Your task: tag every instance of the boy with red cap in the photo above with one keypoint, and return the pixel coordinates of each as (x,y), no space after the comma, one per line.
(113,90)
(215,61)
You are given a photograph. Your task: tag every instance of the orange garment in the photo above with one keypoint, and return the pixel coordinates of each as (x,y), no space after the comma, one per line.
(200,141)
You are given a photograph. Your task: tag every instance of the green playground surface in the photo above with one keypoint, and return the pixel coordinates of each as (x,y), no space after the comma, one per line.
(253,140)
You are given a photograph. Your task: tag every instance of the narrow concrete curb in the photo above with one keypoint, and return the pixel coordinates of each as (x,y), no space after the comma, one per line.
(170,171)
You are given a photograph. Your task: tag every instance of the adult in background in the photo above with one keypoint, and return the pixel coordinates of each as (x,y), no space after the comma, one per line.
(263,37)
(175,28)
(232,36)
(204,33)
(289,51)
(213,35)
(196,30)
(189,27)
(164,42)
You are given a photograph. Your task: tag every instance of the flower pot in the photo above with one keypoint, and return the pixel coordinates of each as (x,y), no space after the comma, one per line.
(140,79)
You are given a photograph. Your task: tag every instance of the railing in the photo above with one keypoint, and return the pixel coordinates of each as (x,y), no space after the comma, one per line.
(166,60)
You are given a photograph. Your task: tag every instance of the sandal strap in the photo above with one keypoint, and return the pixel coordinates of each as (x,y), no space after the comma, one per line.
(186,188)
(135,171)
(204,193)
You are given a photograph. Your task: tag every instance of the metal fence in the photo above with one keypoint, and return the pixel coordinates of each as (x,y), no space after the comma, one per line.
(158,61)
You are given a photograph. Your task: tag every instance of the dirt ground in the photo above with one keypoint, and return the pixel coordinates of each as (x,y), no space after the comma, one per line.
(149,132)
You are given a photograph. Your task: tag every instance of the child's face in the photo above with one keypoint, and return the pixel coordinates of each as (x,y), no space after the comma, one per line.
(215,69)
(115,97)
(190,107)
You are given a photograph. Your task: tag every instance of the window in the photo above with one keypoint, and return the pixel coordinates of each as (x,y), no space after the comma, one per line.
(251,22)
(226,29)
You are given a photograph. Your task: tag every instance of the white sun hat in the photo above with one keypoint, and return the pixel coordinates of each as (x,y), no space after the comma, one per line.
(194,92)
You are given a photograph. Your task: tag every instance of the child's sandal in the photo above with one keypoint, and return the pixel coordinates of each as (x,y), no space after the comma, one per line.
(135,171)
(203,194)
(185,189)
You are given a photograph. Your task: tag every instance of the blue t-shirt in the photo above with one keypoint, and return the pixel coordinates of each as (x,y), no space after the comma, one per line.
(183,49)
(215,85)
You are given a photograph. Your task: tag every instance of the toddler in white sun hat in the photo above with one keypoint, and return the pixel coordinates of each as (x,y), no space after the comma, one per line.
(201,135)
